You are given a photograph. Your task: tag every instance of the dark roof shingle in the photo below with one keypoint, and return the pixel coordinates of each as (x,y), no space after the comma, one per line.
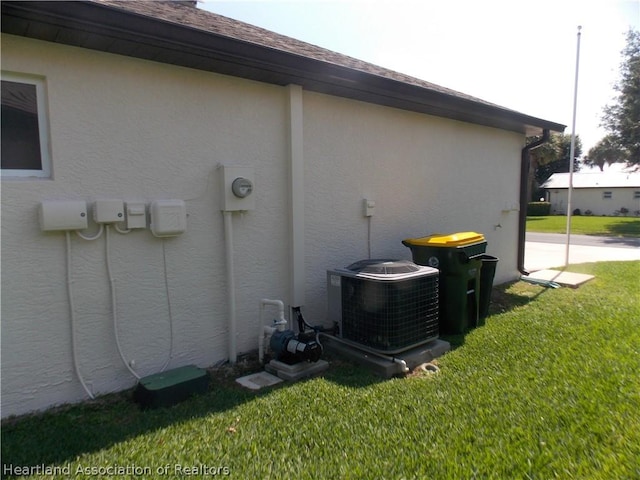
(176,32)
(178,13)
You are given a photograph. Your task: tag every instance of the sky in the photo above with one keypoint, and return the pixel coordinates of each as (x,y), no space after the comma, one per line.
(519,54)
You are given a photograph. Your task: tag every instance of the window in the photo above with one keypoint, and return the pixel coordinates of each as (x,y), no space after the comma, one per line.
(25,133)
(607,195)
(636,195)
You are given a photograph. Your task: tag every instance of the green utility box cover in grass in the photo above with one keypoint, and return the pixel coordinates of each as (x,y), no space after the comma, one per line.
(168,388)
(458,257)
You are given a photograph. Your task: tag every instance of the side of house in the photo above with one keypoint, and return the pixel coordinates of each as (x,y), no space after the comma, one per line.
(597,193)
(138,130)
(599,201)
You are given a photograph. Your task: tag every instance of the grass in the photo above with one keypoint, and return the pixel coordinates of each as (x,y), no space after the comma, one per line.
(586,225)
(548,388)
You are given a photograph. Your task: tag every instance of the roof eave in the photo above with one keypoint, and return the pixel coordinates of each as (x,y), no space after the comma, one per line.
(109,29)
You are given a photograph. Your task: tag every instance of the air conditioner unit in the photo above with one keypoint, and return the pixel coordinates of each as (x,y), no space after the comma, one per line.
(386,305)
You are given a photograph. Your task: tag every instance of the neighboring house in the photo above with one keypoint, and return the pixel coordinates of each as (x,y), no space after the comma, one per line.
(595,193)
(143,101)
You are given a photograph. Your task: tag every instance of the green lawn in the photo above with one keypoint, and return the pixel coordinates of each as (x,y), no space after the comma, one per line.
(586,225)
(548,388)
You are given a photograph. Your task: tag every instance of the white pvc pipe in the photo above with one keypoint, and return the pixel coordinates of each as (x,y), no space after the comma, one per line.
(91,238)
(267,331)
(262,341)
(72,316)
(296,196)
(169,309)
(231,289)
(114,304)
(276,303)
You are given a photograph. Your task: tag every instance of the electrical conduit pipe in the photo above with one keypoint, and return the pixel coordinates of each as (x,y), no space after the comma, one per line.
(296,195)
(231,284)
(74,348)
(114,305)
(264,331)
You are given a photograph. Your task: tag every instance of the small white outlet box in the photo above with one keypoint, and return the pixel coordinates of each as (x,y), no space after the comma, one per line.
(136,215)
(368,207)
(63,215)
(168,217)
(108,211)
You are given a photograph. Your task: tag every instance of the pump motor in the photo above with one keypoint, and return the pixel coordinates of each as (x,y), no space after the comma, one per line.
(291,348)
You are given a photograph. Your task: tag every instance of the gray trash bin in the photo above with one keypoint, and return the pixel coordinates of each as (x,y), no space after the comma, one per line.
(487,274)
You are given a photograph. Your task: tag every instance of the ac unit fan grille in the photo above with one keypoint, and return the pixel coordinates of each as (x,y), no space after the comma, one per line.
(390,316)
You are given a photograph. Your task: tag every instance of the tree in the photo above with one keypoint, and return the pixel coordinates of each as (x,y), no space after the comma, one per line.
(604,152)
(622,118)
(551,157)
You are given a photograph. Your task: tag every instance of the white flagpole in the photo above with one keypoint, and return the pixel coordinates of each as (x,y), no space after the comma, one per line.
(572,152)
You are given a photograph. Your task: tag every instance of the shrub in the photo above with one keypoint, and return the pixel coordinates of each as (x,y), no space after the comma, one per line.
(577,212)
(538,209)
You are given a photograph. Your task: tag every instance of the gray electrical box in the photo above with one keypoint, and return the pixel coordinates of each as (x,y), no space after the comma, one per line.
(237,189)
(168,217)
(63,215)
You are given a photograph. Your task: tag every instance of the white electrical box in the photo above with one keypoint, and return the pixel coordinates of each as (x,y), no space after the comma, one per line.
(136,215)
(63,215)
(237,188)
(368,207)
(168,217)
(108,211)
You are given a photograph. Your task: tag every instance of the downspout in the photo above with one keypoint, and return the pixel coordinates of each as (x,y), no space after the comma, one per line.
(525,164)
(296,196)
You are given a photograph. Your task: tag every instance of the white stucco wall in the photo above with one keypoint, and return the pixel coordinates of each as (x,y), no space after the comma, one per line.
(135,130)
(426,175)
(593,199)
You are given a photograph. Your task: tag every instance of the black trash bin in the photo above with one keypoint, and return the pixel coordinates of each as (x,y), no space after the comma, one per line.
(487,274)
(457,256)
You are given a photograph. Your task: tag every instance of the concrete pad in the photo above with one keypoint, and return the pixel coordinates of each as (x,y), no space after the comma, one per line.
(296,371)
(385,367)
(566,279)
(259,380)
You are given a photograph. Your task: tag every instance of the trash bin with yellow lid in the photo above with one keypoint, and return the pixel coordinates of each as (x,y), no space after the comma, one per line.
(458,257)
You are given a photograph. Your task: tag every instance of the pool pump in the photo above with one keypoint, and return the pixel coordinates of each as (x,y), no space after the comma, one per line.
(295,355)
(291,348)
(287,346)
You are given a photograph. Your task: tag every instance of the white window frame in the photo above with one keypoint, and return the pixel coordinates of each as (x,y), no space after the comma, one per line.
(43,126)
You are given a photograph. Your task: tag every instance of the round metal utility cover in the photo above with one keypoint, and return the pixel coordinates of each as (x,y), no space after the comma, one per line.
(381,266)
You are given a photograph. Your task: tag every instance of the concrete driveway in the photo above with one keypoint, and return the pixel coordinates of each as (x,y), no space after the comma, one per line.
(547,250)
